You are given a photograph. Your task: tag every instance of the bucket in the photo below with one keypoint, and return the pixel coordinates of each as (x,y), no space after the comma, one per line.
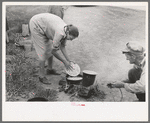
(88,78)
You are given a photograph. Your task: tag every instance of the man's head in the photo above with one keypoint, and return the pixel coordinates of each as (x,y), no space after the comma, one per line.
(72,32)
(134,52)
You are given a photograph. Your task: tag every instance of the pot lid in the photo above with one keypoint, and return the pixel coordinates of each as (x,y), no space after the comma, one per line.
(89,72)
(75,71)
(74,78)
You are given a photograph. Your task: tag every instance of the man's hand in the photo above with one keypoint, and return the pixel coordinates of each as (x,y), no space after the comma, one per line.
(68,65)
(116,85)
(73,62)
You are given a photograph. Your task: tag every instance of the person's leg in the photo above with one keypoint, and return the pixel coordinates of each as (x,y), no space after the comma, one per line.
(50,69)
(134,75)
(41,71)
(50,63)
(141,97)
(39,45)
(42,76)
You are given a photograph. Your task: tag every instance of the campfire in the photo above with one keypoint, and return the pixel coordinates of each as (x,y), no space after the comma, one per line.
(80,85)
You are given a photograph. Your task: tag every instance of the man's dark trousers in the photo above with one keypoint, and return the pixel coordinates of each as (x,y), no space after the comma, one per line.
(134,74)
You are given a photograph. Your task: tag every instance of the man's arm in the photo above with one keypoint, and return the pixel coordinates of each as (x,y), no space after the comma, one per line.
(66,63)
(63,50)
(56,54)
(56,45)
(138,86)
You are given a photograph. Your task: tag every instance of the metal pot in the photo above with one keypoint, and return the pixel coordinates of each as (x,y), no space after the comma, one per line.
(74,80)
(88,78)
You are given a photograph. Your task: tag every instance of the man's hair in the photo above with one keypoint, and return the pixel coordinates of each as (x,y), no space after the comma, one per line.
(73,30)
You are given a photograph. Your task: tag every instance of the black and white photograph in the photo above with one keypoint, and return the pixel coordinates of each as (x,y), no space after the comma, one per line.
(77,55)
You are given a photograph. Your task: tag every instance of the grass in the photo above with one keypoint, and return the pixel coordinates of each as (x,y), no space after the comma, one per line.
(20,79)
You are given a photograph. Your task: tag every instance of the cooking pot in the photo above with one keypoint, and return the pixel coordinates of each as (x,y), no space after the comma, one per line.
(74,80)
(88,78)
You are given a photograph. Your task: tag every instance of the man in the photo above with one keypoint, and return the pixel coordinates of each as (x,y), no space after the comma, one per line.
(136,76)
(49,33)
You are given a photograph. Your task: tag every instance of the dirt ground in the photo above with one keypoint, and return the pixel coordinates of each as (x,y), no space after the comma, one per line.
(103,33)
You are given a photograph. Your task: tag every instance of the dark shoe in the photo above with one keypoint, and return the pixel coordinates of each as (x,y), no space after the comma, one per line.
(44,80)
(52,72)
